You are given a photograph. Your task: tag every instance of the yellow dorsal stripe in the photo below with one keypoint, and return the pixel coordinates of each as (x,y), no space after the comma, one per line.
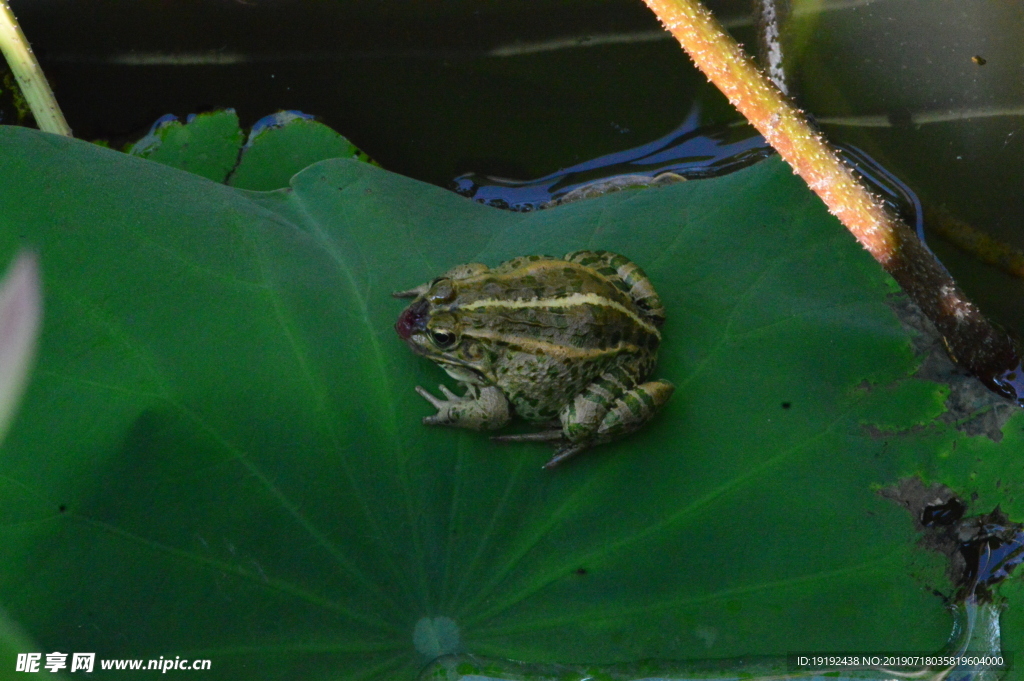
(570,300)
(550,349)
(528,268)
(531,268)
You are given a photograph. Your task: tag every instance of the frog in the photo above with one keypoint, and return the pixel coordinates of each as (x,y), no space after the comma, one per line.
(566,343)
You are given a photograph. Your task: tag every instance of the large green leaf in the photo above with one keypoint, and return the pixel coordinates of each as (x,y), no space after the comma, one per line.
(220,455)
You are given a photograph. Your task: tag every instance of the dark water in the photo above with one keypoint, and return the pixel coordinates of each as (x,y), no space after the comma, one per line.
(520,91)
(690,151)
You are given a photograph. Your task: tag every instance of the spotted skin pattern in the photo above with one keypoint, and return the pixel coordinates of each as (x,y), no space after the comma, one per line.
(567,342)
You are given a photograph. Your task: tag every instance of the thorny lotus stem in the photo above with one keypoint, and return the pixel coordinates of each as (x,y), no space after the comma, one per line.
(29,75)
(973,342)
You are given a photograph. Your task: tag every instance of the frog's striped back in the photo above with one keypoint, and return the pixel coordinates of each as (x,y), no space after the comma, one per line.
(552,307)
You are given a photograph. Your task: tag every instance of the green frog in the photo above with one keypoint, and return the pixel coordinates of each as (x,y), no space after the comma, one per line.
(566,342)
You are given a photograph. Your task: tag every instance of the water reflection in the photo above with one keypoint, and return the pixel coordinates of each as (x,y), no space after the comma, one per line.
(689,151)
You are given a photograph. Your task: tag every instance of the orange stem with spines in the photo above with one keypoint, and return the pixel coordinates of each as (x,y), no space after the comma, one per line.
(973,342)
(783,126)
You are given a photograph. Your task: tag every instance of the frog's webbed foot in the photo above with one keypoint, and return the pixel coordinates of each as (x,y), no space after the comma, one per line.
(478,409)
(442,405)
(566,451)
(539,436)
(563,448)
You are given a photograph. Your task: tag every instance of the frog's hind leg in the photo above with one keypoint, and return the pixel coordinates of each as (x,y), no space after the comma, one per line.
(607,409)
(604,411)
(582,417)
(627,276)
(633,409)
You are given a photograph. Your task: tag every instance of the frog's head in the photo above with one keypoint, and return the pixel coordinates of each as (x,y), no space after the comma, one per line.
(430,326)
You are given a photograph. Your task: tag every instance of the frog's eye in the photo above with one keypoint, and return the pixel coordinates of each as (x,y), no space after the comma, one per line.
(441,291)
(443,338)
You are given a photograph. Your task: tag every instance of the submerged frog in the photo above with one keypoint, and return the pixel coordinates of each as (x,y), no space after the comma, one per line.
(566,342)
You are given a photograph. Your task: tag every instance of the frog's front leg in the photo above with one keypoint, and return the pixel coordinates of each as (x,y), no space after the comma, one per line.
(479,409)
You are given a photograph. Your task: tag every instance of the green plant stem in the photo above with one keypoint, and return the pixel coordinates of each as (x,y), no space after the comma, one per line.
(29,75)
(973,342)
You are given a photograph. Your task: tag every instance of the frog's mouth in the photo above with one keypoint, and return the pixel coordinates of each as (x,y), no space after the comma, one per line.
(413,320)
